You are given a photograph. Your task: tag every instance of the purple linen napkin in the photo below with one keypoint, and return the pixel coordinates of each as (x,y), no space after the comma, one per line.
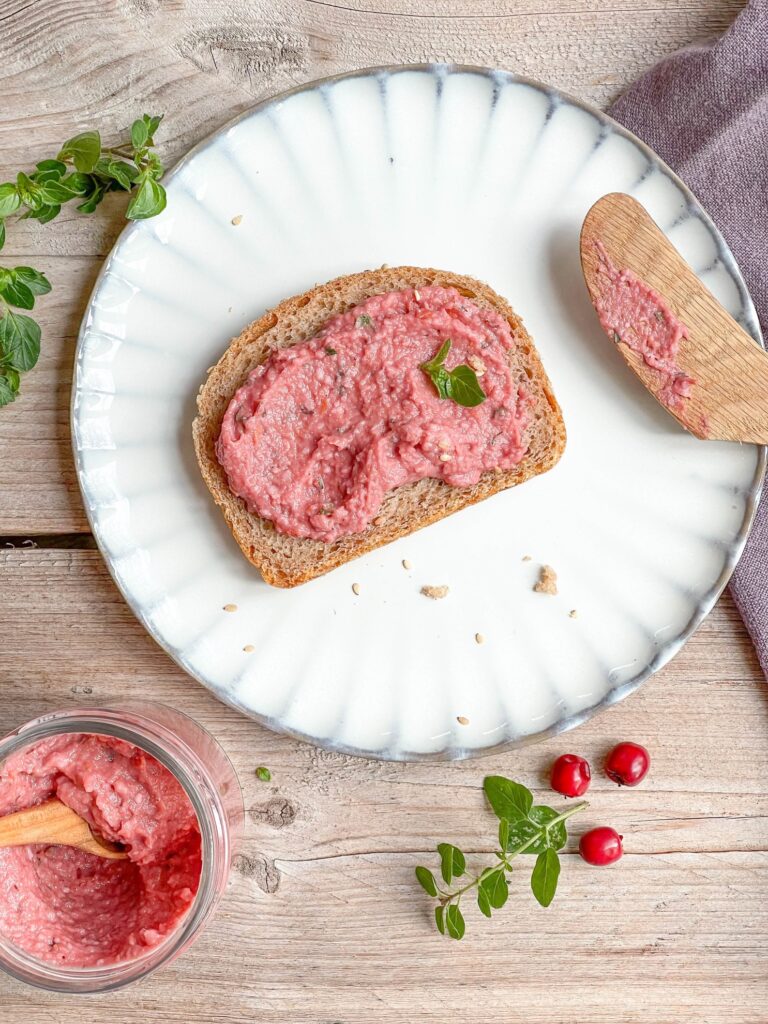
(704,110)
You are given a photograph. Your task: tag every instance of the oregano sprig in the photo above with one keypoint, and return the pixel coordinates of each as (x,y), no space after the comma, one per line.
(523,828)
(460,383)
(84,171)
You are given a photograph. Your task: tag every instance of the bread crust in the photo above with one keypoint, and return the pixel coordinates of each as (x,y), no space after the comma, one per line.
(289,561)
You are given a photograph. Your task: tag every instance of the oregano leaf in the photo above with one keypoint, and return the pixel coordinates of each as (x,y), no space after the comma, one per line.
(440,919)
(83,150)
(16,293)
(139,134)
(496,888)
(44,213)
(544,878)
(508,799)
(460,384)
(454,921)
(452,862)
(504,834)
(483,901)
(426,880)
(148,201)
(464,387)
(9,199)
(19,340)
(7,391)
(37,283)
(555,836)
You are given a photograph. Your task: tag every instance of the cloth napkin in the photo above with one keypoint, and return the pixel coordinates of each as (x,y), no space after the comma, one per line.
(704,110)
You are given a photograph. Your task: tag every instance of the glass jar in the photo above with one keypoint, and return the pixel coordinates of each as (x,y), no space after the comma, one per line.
(205,772)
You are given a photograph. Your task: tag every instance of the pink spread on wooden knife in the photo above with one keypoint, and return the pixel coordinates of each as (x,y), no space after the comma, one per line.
(322,430)
(74,908)
(634,313)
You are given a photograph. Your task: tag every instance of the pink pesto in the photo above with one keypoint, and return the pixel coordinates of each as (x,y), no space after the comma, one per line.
(74,908)
(322,431)
(632,312)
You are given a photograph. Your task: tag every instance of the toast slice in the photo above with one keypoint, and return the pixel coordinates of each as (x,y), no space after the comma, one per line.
(288,561)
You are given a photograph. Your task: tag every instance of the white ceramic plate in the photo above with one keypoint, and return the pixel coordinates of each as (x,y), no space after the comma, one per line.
(474,171)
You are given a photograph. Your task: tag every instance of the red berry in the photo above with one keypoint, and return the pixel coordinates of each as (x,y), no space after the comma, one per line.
(627,764)
(570,775)
(601,846)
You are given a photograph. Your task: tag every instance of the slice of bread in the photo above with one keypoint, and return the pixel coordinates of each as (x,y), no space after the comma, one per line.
(287,561)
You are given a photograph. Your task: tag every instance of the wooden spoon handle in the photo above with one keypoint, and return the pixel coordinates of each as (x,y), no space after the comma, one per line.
(54,824)
(50,822)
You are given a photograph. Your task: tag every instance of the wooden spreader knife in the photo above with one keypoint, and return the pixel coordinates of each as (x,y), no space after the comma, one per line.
(728,397)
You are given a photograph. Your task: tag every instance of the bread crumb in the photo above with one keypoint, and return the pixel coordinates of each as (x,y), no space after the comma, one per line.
(462,720)
(230,608)
(249,648)
(406,564)
(435,592)
(547,582)
(526,558)
(479,638)
(384,266)
(355,588)
(237,220)
(572,613)
(477,365)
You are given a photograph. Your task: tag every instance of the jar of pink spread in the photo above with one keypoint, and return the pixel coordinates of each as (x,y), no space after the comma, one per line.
(144,775)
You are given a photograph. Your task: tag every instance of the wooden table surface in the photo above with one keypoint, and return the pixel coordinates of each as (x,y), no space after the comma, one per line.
(322,921)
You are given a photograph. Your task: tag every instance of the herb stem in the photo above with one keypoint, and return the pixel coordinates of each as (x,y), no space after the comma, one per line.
(120,151)
(491,869)
(545,828)
(470,885)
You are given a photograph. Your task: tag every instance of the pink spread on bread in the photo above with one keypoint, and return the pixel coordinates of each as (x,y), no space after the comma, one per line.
(632,312)
(321,431)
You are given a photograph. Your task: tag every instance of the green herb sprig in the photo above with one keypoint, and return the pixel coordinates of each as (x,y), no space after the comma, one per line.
(460,383)
(523,828)
(85,171)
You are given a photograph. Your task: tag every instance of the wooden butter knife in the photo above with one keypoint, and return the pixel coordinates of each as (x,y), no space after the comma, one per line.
(729,398)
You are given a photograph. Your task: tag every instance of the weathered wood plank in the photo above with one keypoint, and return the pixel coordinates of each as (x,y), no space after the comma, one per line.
(323,922)
(72,64)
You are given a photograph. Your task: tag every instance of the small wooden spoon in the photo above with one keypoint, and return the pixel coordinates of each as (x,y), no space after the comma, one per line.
(729,400)
(55,824)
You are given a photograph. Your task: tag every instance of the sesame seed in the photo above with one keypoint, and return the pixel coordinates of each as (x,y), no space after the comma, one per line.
(355,588)
(406,564)
(416,295)
(237,220)
(445,445)
(230,608)
(445,457)
(462,720)
(249,648)
(479,638)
